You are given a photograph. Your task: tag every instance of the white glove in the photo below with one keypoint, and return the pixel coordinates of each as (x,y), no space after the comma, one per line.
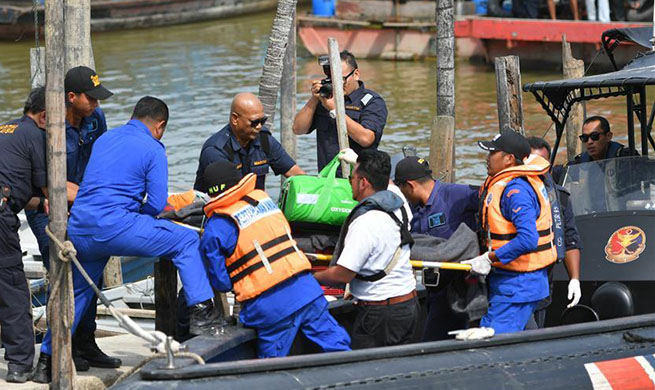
(348,155)
(475,334)
(574,292)
(480,265)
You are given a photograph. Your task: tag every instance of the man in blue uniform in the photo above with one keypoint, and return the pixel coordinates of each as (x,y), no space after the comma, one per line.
(85,122)
(247,248)
(572,241)
(114,214)
(245,142)
(438,209)
(366,115)
(516,218)
(597,139)
(22,167)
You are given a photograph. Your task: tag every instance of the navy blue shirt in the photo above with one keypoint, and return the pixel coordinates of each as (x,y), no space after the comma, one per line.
(79,143)
(520,205)
(447,207)
(109,199)
(218,242)
(22,160)
(571,235)
(364,107)
(254,158)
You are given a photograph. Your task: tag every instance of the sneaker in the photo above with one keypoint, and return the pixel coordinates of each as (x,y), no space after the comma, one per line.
(43,371)
(86,348)
(19,375)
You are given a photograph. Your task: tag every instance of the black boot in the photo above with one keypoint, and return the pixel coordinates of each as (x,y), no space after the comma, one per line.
(205,319)
(86,347)
(18,374)
(43,371)
(81,364)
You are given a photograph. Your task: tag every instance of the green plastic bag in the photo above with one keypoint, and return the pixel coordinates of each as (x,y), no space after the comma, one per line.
(323,199)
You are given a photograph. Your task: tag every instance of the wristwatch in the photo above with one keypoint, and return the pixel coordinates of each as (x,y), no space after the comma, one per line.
(333,113)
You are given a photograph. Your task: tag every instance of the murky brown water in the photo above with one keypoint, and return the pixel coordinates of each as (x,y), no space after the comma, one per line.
(198,68)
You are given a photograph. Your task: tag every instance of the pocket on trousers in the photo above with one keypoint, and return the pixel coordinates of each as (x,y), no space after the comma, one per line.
(369,322)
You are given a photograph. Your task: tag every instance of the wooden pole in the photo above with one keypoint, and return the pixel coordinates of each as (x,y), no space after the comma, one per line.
(508,93)
(77,16)
(269,85)
(288,95)
(442,137)
(573,68)
(37,67)
(336,74)
(61,300)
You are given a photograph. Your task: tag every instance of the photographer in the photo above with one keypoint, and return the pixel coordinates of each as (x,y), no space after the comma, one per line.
(366,112)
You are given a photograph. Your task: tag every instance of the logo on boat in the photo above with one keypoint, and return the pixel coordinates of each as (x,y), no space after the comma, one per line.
(625,245)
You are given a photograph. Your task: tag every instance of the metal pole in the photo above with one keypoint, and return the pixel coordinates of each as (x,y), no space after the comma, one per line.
(61,299)
(336,74)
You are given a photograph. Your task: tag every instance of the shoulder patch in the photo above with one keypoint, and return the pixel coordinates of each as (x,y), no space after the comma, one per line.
(7,129)
(367,98)
(512,192)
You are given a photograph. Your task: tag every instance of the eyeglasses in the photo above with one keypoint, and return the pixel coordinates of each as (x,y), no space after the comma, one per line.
(595,136)
(345,78)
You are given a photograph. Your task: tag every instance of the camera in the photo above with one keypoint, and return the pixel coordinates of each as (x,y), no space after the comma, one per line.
(326,84)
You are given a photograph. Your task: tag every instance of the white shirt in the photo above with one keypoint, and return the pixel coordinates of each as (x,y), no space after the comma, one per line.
(370,244)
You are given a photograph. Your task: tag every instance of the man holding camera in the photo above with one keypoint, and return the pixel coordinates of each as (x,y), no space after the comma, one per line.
(366,112)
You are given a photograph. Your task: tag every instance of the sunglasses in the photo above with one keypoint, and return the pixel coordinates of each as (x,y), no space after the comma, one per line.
(345,78)
(595,136)
(257,122)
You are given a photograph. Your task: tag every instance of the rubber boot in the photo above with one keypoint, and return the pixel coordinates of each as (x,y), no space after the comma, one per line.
(86,347)
(43,371)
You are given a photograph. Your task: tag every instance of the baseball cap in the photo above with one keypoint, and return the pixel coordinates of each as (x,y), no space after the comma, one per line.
(508,141)
(84,79)
(411,168)
(220,176)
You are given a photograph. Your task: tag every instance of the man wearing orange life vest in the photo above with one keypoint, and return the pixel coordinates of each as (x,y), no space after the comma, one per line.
(517,227)
(247,247)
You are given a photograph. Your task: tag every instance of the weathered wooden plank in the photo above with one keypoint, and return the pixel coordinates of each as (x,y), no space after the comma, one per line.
(113,273)
(61,299)
(77,19)
(442,148)
(572,68)
(288,95)
(37,67)
(508,93)
(337,88)
(165,296)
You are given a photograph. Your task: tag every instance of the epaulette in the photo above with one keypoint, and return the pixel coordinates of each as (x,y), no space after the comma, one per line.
(7,129)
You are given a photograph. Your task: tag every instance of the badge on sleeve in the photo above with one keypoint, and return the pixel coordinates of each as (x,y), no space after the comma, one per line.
(436,220)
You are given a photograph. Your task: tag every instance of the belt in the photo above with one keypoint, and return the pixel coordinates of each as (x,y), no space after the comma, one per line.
(389,301)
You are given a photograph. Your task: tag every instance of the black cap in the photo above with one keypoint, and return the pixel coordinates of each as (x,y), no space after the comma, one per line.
(84,79)
(220,176)
(508,141)
(411,168)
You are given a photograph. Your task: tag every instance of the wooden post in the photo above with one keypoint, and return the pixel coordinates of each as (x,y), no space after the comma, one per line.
(288,95)
(269,85)
(37,67)
(508,93)
(61,301)
(442,138)
(336,74)
(573,68)
(77,16)
(113,273)
(165,296)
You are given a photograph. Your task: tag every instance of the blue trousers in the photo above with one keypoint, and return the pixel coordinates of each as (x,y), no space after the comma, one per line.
(38,221)
(508,317)
(147,237)
(314,320)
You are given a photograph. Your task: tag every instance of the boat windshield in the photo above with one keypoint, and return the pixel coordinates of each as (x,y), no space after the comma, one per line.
(618,184)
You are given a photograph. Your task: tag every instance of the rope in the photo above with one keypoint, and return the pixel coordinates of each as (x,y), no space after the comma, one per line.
(157,340)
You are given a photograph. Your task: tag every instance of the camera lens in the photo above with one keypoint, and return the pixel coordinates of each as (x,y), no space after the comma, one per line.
(326,88)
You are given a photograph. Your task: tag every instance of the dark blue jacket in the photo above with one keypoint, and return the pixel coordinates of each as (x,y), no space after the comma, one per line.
(79,143)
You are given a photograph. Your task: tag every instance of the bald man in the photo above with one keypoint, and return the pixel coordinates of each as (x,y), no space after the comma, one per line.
(246,142)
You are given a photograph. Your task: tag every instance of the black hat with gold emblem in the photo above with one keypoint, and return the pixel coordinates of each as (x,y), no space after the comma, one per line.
(411,168)
(84,79)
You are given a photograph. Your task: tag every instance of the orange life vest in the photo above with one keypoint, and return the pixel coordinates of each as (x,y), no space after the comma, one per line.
(265,254)
(499,231)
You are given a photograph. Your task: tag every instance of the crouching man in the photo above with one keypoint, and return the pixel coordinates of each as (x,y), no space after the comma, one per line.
(247,247)
(373,256)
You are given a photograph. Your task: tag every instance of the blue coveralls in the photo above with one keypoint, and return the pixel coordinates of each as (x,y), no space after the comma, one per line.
(108,217)
(364,107)
(513,296)
(22,168)
(447,207)
(256,158)
(78,150)
(280,312)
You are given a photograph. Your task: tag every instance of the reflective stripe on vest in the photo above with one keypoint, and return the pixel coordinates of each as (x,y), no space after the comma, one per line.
(265,254)
(500,231)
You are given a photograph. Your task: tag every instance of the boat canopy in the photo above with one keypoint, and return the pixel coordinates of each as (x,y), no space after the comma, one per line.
(557,97)
(635,35)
